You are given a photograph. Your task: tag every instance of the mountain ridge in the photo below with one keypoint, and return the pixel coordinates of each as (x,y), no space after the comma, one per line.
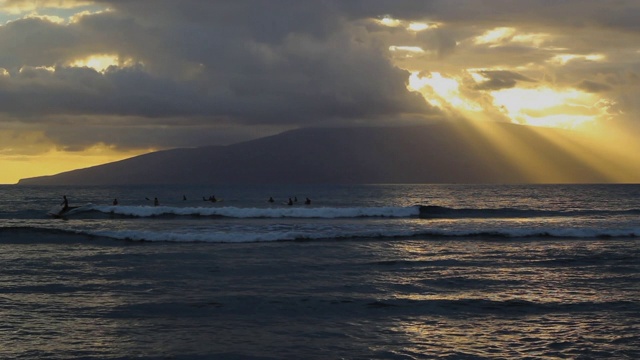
(443,152)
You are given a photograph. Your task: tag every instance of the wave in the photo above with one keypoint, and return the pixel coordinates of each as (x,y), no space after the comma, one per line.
(247,213)
(36,234)
(293,235)
(421,211)
(441,212)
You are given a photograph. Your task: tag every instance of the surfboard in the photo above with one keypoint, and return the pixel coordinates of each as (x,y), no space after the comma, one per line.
(59,210)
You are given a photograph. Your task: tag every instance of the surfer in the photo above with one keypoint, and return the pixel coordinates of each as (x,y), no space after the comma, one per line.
(270,199)
(156,202)
(307,201)
(65,203)
(115,202)
(184,197)
(290,202)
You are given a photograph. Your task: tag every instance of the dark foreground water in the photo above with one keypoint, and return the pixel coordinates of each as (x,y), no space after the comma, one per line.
(546,277)
(462,298)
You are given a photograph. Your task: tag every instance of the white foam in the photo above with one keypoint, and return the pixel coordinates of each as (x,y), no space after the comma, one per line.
(275,212)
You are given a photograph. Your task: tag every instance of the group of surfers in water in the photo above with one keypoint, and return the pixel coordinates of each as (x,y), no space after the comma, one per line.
(307,201)
(212,198)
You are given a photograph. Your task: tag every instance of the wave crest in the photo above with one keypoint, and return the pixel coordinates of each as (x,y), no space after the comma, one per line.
(246,213)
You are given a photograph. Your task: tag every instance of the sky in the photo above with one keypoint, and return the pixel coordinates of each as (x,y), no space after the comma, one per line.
(93,81)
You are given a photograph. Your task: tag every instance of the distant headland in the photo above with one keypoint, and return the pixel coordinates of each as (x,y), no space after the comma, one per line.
(443,152)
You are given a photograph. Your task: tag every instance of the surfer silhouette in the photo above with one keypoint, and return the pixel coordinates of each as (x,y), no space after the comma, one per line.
(115,202)
(271,199)
(307,201)
(65,203)
(156,202)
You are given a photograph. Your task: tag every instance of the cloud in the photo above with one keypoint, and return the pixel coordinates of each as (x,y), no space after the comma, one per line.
(253,71)
(21,6)
(593,87)
(500,79)
(203,69)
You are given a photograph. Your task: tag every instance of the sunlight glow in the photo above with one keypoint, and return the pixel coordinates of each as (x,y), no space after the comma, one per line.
(49,18)
(388,21)
(560,121)
(415,49)
(15,166)
(535,39)
(97,62)
(35,69)
(541,107)
(504,35)
(477,76)
(407,51)
(441,91)
(414,26)
(417,26)
(565,58)
(17,7)
(496,35)
(548,107)
(101,62)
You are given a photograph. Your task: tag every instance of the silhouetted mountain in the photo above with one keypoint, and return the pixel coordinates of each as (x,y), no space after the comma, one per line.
(446,152)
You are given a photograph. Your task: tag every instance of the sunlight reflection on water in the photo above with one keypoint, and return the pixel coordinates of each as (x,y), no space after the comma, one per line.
(459,297)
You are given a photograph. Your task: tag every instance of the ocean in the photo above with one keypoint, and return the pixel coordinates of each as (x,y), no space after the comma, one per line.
(362,272)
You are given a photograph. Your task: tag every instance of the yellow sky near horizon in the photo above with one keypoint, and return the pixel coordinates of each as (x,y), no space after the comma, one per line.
(53,161)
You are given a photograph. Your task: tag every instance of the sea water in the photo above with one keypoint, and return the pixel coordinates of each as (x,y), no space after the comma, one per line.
(363,272)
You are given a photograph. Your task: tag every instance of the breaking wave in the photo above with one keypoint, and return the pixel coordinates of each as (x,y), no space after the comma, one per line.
(421,211)
(441,212)
(248,213)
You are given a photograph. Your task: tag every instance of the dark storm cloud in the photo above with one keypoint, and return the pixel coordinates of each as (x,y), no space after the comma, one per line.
(73,91)
(270,62)
(33,42)
(280,63)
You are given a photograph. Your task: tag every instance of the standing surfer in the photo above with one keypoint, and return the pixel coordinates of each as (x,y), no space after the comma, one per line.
(65,203)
